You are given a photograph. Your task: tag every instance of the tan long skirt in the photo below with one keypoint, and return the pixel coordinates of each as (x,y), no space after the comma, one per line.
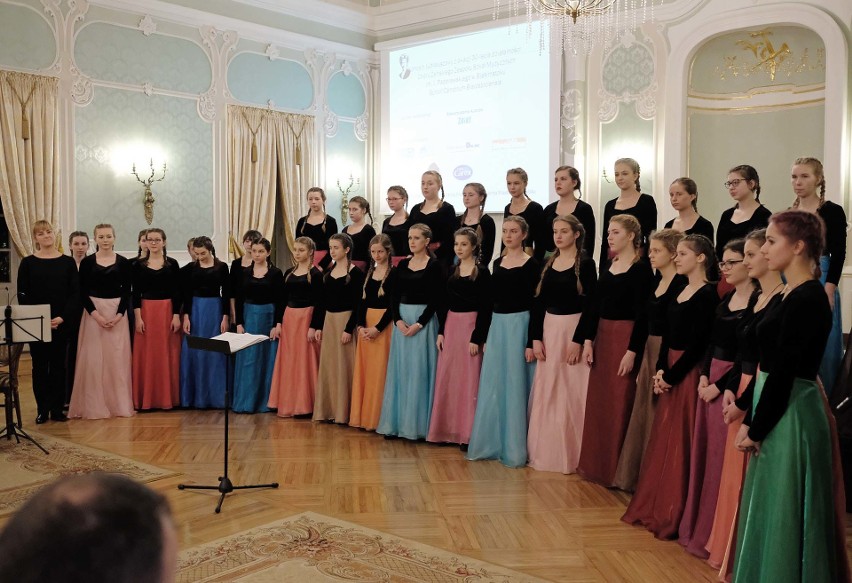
(336,367)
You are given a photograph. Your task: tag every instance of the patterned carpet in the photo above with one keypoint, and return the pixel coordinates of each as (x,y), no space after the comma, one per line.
(24,468)
(310,547)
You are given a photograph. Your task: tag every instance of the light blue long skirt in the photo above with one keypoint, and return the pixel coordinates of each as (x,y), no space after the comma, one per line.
(253,368)
(410,380)
(833,355)
(203,373)
(500,423)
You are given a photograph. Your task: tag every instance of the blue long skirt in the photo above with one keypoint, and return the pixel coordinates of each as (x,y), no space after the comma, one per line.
(203,373)
(833,355)
(253,368)
(500,423)
(410,380)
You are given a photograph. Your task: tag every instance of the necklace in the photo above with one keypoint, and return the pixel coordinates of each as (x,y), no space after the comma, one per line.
(761,303)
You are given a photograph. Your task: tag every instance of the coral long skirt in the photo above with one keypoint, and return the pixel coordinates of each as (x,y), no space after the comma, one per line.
(294,377)
(156,358)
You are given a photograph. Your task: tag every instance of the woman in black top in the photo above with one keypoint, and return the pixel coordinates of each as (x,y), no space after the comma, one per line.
(613,329)
(807,176)
(561,381)
(396,225)
(463,322)
(662,251)
(206,302)
(748,214)
(103,377)
(238,266)
(683,194)
(500,424)
(661,492)
(317,225)
(567,183)
(436,214)
(78,245)
(157,303)
(48,277)
(789,515)
(474,217)
(361,231)
(521,205)
(630,201)
(410,379)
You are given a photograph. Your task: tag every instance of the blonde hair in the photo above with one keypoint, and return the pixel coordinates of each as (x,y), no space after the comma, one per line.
(816,166)
(437,176)
(669,238)
(631,225)
(41,225)
(577,227)
(311,246)
(634,167)
(384,241)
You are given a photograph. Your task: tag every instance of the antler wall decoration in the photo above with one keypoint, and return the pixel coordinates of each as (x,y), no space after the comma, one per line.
(148,197)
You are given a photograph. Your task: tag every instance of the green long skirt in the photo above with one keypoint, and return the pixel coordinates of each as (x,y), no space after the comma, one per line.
(786,529)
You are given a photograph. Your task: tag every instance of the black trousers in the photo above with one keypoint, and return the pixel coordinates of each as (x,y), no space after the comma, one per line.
(49,372)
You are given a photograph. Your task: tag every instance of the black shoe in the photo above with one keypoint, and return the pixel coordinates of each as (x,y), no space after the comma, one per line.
(41,418)
(62,417)
(463,447)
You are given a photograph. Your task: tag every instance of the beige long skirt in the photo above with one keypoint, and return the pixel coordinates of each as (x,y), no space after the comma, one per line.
(336,367)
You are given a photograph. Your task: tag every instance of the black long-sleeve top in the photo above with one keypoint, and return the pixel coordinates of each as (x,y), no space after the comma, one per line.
(371,299)
(340,294)
(538,234)
(559,294)
(110,281)
(466,295)
(206,282)
(361,242)
(53,281)
(728,230)
(748,353)
(835,239)
(701,227)
(443,224)
(690,325)
(398,235)
(513,289)
(422,287)
(299,292)
(658,306)
(319,234)
(157,284)
(487,231)
(791,337)
(236,275)
(645,211)
(621,296)
(268,289)
(723,338)
(584,213)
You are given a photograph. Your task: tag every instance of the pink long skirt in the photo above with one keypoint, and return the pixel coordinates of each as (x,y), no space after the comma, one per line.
(456,382)
(294,377)
(103,381)
(705,469)
(558,408)
(156,359)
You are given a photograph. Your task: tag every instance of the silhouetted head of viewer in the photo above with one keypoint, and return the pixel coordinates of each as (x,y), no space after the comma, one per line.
(95,528)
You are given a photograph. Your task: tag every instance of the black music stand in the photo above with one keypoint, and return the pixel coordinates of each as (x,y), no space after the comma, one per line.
(20,330)
(225,486)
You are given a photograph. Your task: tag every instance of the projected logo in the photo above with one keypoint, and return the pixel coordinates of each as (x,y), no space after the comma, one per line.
(403,64)
(462,172)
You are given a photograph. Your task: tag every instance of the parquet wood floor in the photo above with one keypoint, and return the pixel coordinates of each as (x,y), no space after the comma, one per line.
(548,525)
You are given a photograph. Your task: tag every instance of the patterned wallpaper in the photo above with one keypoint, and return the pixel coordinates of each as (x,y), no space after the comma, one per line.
(26,41)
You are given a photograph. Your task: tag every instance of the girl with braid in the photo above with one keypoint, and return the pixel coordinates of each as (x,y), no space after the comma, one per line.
(294,377)
(317,225)
(474,217)
(568,187)
(438,215)
(807,177)
(748,213)
(463,324)
(561,380)
(630,201)
(361,231)
(238,266)
(521,205)
(374,337)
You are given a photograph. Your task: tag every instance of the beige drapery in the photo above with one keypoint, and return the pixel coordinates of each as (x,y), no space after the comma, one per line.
(277,137)
(29,168)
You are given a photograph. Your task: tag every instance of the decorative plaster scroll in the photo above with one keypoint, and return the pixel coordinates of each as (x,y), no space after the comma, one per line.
(272,52)
(646,103)
(362,127)
(572,109)
(147,25)
(331,122)
(346,68)
(82,90)
(148,89)
(219,45)
(207,104)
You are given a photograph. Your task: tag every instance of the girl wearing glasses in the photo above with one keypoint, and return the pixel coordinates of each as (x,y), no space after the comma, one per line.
(710,434)
(156,348)
(683,194)
(396,225)
(747,214)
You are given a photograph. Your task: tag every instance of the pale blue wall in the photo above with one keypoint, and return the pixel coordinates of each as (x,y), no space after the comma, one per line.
(255,79)
(346,95)
(344,154)
(26,40)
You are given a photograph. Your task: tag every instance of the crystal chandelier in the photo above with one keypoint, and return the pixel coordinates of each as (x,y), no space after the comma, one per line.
(579,25)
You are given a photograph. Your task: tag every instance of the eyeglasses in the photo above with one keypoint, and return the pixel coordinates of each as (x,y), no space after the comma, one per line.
(389,199)
(723,265)
(155,240)
(734,183)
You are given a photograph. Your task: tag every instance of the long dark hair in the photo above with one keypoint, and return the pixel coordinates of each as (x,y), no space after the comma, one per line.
(749,174)
(205,242)
(475,241)
(346,241)
(577,227)
(701,245)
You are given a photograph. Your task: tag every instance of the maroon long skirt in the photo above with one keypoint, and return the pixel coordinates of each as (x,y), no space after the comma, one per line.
(608,403)
(664,478)
(156,359)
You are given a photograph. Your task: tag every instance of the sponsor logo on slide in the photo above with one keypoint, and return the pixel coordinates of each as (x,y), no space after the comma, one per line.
(462,172)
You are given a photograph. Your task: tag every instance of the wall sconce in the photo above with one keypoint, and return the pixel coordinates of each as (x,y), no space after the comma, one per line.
(148,197)
(354,185)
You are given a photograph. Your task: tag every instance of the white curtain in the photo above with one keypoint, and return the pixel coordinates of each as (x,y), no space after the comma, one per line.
(29,154)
